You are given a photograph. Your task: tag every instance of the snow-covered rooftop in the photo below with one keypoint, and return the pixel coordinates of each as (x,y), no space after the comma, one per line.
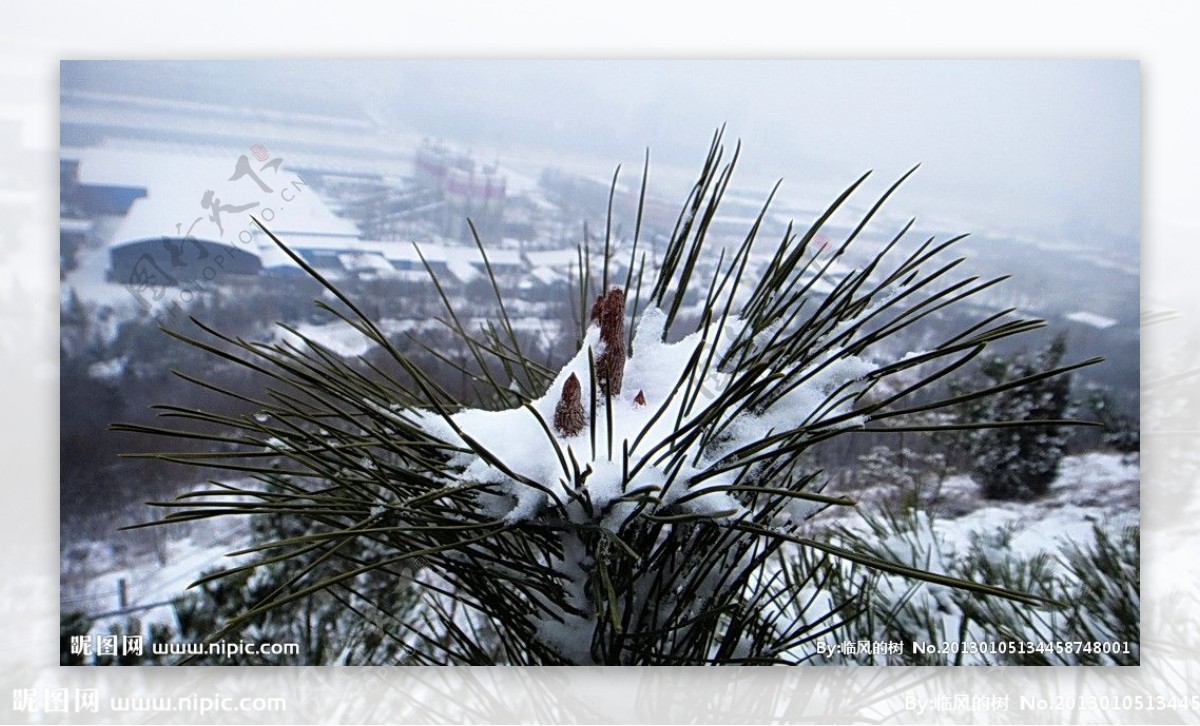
(273,258)
(184,192)
(406,252)
(470,255)
(82,226)
(365,262)
(1093,319)
(568,257)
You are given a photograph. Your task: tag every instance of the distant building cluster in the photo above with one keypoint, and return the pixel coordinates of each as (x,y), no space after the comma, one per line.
(176,218)
(468,190)
(156,194)
(169,193)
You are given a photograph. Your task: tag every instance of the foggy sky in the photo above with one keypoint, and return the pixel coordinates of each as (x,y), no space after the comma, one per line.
(1050,147)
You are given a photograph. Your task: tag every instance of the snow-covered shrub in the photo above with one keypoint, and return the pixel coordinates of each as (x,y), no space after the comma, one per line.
(1020,462)
(1119,431)
(330,625)
(1105,593)
(631,505)
(911,479)
(1088,593)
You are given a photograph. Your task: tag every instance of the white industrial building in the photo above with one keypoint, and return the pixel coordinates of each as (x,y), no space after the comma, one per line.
(179,214)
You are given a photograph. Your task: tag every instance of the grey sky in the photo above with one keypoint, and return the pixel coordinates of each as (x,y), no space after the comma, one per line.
(1045,147)
(1057,142)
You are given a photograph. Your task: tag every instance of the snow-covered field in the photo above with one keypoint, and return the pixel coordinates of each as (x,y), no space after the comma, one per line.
(1093,488)
(1096,487)
(91,574)
(1027,542)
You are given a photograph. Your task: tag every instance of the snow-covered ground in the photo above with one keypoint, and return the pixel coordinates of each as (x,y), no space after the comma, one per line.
(1091,488)
(91,573)
(348,342)
(1096,490)
(1096,487)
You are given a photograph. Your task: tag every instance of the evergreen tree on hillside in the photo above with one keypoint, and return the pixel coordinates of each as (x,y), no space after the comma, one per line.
(1020,462)
(1118,430)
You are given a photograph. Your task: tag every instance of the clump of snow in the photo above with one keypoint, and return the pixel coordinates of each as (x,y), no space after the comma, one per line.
(525,444)
(584,477)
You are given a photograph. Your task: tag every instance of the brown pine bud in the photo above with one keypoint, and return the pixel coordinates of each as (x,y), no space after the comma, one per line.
(569,415)
(612,317)
(640,399)
(610,368)
(597,309)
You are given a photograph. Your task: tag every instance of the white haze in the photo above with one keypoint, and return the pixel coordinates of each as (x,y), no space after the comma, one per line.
(1048,148)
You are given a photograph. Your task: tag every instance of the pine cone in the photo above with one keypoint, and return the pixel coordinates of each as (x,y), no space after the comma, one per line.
(569,414)
(610,368)
(640,399)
